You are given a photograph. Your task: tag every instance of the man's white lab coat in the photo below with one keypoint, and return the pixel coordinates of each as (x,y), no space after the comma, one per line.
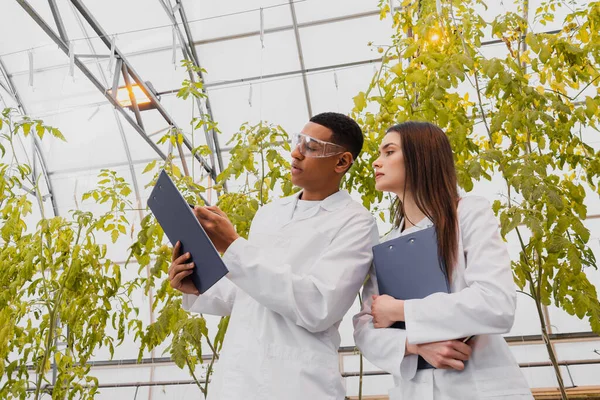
(482,302)
(289,286)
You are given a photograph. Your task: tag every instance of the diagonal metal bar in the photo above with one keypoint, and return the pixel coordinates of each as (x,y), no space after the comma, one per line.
(5,88)
(104,37)
(301,58)
(36,144)
(190,54)
(115,113)
(136,110)
(58,20)
(119,68)
(190,43)
(65,48)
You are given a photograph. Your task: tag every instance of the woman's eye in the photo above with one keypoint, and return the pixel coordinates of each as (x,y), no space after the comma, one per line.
(388,153)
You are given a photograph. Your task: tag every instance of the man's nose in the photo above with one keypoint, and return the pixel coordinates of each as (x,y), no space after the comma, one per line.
(296,153)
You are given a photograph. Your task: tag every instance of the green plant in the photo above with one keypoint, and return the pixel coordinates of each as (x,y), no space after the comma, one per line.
(518,115)
(52,275)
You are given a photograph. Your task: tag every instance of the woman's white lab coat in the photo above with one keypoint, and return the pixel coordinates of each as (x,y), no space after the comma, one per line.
(482,303)
(289,286)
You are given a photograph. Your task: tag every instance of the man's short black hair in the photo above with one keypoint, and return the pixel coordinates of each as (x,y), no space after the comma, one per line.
(346,131)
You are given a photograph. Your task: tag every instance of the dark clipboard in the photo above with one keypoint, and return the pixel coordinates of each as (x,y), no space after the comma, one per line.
(409,267)
(179,223)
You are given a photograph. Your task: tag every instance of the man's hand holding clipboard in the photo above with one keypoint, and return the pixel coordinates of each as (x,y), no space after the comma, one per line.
(217,226)
(182,223)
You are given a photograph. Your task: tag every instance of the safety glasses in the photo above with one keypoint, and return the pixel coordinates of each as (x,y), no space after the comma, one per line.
(315,148)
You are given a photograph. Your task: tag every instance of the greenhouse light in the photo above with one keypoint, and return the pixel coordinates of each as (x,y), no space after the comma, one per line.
(143,101)
(434,37)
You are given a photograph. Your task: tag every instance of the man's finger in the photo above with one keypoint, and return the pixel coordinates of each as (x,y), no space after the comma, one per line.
(177,268)
(182,258)
(176,251)
(204,213)
(216,210)
(176,281)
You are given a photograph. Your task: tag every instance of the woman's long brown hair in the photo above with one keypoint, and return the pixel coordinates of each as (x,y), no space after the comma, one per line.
(431,178)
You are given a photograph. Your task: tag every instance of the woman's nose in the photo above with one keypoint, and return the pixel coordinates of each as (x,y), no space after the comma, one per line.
(376,163)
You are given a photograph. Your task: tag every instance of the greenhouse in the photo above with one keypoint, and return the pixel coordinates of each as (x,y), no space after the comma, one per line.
(226,98)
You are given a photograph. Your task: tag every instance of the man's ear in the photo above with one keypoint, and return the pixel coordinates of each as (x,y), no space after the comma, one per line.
(344,163)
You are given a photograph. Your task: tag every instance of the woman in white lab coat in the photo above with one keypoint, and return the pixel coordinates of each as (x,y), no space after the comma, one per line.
(417,165)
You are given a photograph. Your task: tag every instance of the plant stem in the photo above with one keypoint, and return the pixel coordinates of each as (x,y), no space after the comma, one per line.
(360,378)
(187,361)
(208,373)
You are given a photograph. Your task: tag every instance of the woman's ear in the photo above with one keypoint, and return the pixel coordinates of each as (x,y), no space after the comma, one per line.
(344,163)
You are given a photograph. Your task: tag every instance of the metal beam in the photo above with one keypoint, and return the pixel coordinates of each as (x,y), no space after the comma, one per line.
(190,54)
(283,74)
(301,58)
(65,48)
(136,110)
(352,350)
(104,37)
(217,39)
(60,26)
(36,144)
(49,388)
(188,32)
(521,365)
(246,35)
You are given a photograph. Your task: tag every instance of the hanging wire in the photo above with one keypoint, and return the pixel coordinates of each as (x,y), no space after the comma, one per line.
(111,60)
(262,50)
(250,96)
(337,89)
(72,60)
(174,58)
(30,56)
(262,28)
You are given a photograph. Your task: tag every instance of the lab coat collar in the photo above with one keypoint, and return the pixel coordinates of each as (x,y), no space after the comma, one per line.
(422,224)
(332,203)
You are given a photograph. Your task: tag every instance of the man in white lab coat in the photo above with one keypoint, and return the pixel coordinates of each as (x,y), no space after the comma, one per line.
(290,284)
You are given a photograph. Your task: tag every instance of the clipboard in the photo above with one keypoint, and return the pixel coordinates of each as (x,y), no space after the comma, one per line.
(409,267)
(178,221)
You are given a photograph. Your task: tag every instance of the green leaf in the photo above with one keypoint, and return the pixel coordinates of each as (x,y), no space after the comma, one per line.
(39,128)
(574,260)
(126,191)
(360,102)
(57,134)
(496,206)
(26,128)
(149,167)
(397,69)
